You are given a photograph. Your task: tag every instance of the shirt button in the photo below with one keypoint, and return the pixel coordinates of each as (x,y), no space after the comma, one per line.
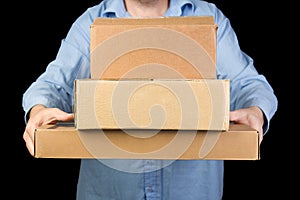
(149,162)
(150,189)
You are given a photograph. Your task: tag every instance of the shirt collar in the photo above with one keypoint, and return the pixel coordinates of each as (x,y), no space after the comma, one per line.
(117,7)
(176,7)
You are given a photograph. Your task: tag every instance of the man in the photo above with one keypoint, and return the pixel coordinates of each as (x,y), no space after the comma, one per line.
(49,99)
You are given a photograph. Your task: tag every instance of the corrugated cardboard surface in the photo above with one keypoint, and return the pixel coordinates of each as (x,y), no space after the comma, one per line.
(64,141)
(201,104)
(167,47)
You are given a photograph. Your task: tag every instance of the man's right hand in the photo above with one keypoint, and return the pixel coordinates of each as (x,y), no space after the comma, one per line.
(39,116)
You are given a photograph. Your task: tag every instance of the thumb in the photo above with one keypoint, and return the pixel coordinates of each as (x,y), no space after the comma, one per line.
(63,116)
(233,115)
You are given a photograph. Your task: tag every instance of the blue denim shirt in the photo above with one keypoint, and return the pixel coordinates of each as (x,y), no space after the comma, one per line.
(150,179)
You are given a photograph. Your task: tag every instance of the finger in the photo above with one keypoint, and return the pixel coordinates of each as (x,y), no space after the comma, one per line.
(29,131)
(260,133)
(238,117)
(53,115)
(256,124)
(29,142)
(234,115)
(63,116)
(68,117)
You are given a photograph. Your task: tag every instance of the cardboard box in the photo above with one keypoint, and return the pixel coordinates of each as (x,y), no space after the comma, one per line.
(201,104)
(64,141)
(158,48)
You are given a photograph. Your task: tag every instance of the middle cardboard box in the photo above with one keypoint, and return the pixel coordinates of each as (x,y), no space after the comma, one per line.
(163,104)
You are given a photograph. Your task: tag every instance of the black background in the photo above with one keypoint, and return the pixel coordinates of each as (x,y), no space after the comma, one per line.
(32,33)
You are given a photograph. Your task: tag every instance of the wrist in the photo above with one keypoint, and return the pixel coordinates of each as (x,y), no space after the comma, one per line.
(36,109)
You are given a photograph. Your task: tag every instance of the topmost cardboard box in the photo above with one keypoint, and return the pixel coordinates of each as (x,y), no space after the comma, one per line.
(158,48)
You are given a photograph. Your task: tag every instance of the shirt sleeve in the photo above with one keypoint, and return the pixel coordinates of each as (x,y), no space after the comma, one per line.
(247,86)
(54,87)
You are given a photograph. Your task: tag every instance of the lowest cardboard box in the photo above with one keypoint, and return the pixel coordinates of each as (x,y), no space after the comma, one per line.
(63,140)
(159,48)
(201,104)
